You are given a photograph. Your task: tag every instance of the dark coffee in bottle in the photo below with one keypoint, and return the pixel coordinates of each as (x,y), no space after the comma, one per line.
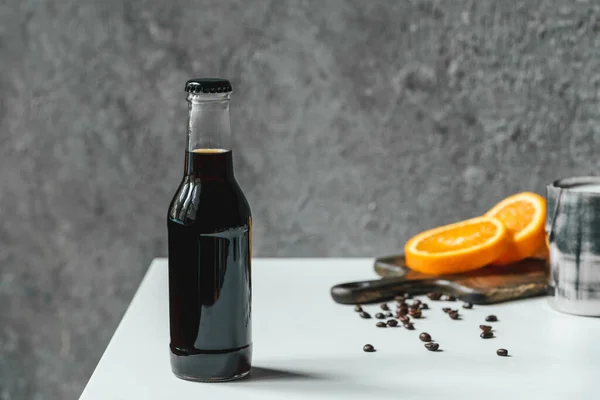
(210,231)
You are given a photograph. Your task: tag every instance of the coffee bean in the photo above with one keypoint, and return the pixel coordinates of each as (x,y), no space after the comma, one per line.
(491,318)
(392,322)
(399,299)
(409,326)
(384,307)
(502,352)
(415,313)
(425,337)
(468,305)
(381,324)
(447,297)
(358,308)
(446,309)
(454,314)
(413,307)
(365,315)
(379,315)
(432,346)
(401,313)
(434,295)
(368,348)
(404,319)
(424,306)
(416,303)
(389,315)
(487,334)
(402,306)
(485,328)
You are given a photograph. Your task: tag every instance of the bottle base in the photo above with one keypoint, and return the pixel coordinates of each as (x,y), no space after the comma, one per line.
(213,367)
(211,380)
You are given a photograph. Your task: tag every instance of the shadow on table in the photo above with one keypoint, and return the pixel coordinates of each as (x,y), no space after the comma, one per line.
(269,374)
(334,379)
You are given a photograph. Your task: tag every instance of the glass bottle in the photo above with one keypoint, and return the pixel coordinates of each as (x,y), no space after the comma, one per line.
(210,230)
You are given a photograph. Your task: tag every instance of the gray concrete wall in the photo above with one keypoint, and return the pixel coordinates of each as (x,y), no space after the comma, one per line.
(357,124)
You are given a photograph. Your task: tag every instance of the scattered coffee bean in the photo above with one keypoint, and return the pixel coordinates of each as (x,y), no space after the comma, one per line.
(491,318)
(447,297)
(368,348)
(502,352)
(392,322)
(432,346)
(434,295)
(415,313)
(358,308)
(468,305)
(425,337)
(384,307)
(379,315)
(416,303)
(454,314)
(409,326)
(401,313)
(485,328)
(381,324)
(446,309)
(389,315)
(424,306)
(404,319)
(365,315)
(487,334)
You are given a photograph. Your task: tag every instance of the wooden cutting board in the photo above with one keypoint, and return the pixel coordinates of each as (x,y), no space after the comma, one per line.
(488,285)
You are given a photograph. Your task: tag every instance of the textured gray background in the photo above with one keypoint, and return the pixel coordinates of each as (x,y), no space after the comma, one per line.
(357,124)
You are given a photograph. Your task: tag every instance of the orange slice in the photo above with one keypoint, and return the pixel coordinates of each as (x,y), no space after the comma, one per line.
(523,214)
(542,253)
(458,247)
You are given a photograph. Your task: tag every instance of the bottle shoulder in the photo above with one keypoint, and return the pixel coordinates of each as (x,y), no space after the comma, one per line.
(212,201)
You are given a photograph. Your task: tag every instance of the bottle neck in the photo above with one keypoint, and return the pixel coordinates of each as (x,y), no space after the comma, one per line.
(209,164)
(208,125)
(208,152)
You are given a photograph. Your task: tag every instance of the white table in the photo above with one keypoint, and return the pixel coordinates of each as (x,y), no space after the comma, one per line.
(308,347)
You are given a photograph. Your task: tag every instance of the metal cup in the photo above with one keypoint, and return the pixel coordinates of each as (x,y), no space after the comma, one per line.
(573,229)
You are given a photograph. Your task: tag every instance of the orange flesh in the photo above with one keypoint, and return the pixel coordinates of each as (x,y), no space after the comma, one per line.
(516,216)
(457,239)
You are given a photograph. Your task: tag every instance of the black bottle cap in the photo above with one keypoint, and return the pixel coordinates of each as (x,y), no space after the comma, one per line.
(208,85)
